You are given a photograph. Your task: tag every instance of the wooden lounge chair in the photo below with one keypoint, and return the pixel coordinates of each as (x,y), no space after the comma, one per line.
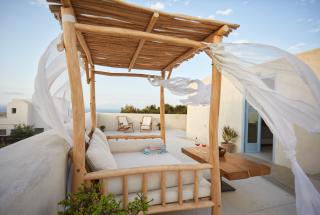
(146,123)
(124,124)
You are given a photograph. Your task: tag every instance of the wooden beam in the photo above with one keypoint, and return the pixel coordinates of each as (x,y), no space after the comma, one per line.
(196,186)
(150,26)
(66,3)
(86,67)
(213,136)
(180,188)
(78,113)
(162,111)
(103,186)
(163,187)
(177,207)
(128,33)
(85,47)
(93,110)
(221,31)
(133,137)
(145,185)
(169,74)
(125,191)
(102,174)
(136,75)
(80,37)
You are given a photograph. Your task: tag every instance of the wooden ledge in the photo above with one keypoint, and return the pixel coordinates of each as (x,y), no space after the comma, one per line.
(102,174)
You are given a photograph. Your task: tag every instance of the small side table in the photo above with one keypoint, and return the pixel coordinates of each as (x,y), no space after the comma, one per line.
(232,166)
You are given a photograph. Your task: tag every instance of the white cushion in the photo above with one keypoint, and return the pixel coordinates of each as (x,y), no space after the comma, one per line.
(123,120)
(121,145)
(138,159)
(146,120)
(98,154)
(100,134)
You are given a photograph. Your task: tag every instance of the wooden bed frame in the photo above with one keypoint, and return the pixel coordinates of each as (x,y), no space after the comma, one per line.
(85,33)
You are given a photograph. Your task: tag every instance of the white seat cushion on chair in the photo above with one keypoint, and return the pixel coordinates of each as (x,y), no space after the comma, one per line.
(138,159)
(146,121)
(123,120)
(98,154)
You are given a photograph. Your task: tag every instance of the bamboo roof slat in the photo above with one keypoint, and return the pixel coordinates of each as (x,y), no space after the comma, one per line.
(191,52)
(131,52)
(149,28)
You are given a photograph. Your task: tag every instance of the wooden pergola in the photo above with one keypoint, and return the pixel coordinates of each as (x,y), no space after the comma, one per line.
(117,34)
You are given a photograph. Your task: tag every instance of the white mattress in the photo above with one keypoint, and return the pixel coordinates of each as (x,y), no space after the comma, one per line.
(138,159)
(136,133)
(121,145)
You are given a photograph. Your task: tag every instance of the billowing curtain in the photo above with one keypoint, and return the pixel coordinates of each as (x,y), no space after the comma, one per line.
(51,97)
(284,90)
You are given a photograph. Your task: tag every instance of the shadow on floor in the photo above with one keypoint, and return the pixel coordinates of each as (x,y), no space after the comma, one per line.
(282,176)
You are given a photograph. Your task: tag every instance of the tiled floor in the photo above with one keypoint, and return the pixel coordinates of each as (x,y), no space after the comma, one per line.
(254,196)
(265,153)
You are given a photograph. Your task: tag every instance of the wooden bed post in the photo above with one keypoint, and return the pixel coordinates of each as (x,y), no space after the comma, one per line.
(78,117)
(93,110)
(213,136)
(162,110)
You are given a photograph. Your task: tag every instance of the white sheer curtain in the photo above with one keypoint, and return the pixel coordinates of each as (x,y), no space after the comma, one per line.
(284,91)
(51,97)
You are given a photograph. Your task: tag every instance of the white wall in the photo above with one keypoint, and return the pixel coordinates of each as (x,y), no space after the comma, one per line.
(22,115)
(25,114)
(33,175)
(173,121)
(231,113)
(308,146)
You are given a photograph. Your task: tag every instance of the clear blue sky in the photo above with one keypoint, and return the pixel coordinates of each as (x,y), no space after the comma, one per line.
(27,27)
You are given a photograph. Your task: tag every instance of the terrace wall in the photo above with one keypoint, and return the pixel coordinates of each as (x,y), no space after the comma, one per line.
(33,175)
(173,121)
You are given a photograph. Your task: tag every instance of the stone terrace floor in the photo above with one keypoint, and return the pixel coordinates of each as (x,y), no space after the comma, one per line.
(253,196)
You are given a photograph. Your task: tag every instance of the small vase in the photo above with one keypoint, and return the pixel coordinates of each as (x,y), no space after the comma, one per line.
(228,146)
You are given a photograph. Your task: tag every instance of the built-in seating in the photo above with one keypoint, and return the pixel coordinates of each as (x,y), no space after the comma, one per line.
(123,157)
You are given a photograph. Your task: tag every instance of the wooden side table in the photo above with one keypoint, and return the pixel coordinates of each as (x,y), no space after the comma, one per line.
(232,166)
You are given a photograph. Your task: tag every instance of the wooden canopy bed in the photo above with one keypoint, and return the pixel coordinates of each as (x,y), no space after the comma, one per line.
(117,34)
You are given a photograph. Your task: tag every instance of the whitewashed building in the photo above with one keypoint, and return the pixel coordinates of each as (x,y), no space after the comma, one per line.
(19,111)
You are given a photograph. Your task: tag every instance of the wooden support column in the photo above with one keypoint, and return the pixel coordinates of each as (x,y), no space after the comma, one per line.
(213,136)
(162,110)
(86,67)
(78,114)
(93,111)
(169,74)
